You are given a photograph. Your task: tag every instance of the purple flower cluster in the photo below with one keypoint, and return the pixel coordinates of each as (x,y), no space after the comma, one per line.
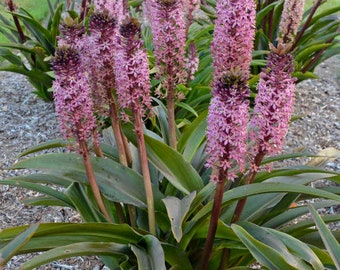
(228,111)
(169,38)
(131,68)
(71,33)
(290,20)
(73,97)
(273,104)
(99,48)
(232,45)
(227,122)
(192,61)
(115,8)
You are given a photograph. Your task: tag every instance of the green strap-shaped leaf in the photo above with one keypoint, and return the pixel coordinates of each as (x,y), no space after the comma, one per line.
(299,248)
(39,188)
(310,50)
(193,136)
(262,188)
(14,246)
(149,253)
(34,75)
(177,210)
(246,191)
(11,57)
(83,204)
(293,250)
(328,239)
(45,145)
(117,182)
(77,249)
(176,257)
(292,213)
(55,22)
(264,254)
(173,166)
(52,235)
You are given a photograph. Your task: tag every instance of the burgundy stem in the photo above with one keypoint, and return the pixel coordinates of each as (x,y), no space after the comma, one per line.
(145,171)
(92,179)
(11,8)
(249,180)
(215,215)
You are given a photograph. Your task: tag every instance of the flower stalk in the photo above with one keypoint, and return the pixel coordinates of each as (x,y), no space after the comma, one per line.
(133,90)
(169,37)
(12,7)
(215,215)
(231,50)
(75,110)
(92,179)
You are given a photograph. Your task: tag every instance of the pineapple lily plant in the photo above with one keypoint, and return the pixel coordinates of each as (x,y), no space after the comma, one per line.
(171,140)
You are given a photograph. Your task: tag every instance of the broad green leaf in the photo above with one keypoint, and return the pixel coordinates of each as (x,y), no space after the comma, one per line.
(312,236)
(300,249)
(304,75)
(77,249)
(40,178)
(83,204)
(176,257)
(45,145)
(323,255)
(16,46)
(296,174)
(295,229)
(34,75)
(55,22)
(149,253)
(328,239)
(306,53)
(44,201)
(263,188)
(177,210)
(37,187)
(294,249)
(14,246)
(324,14)
(292,213)
(116,181)
(256,206)
(246,191)
(42,34)
(264,254)
(223,231)
(173,166)
(193,136)
(11,57)
(263,12)
(52,235)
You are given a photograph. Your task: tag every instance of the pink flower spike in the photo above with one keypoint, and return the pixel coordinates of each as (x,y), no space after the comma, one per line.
(228,116)
(232,45)
(291,18)
(273,104)
(226,131)
(99,48)
(116,8)
(132,69)
(72,97)
(169,38)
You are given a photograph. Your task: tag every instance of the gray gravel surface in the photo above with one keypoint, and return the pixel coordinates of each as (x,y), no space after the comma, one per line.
(25,121)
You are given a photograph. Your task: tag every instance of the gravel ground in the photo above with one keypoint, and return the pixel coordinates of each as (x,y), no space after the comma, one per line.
(26,121)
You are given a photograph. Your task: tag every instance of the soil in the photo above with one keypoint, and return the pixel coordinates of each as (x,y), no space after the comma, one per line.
(25,121)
